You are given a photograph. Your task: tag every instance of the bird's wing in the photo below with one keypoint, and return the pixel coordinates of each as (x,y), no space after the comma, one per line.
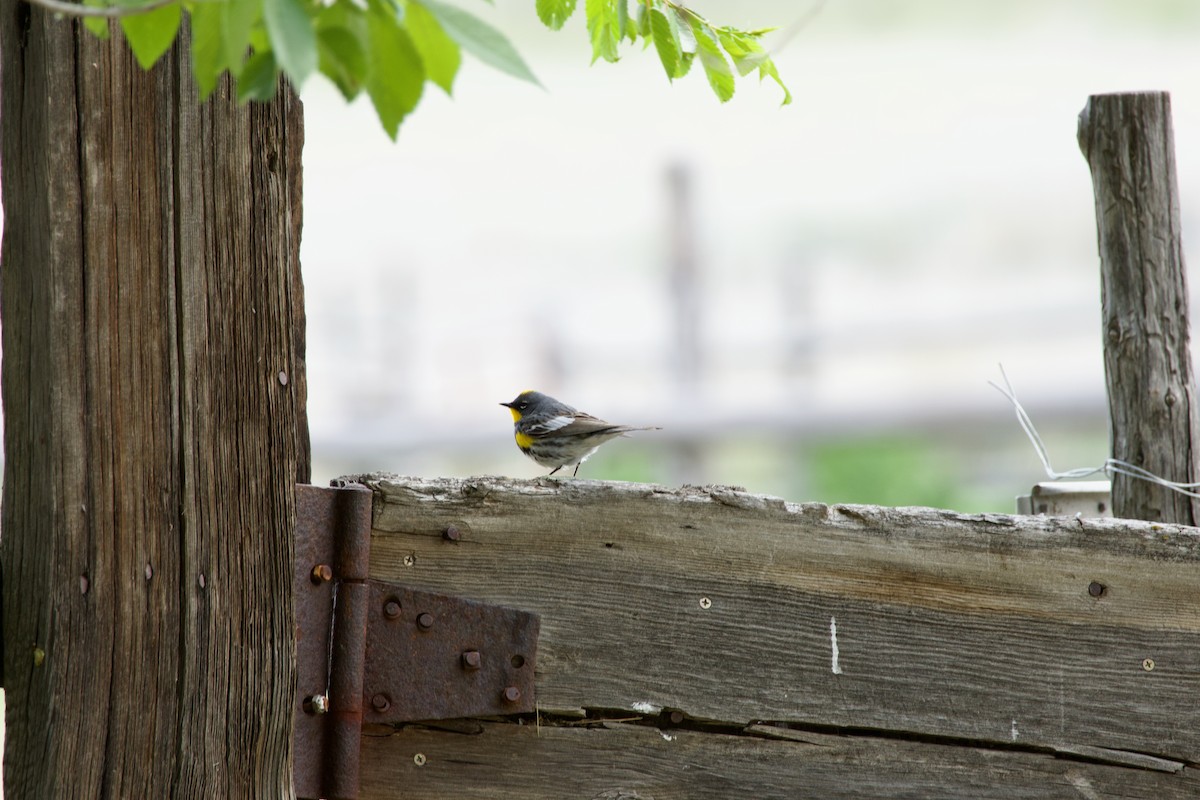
(578,424)
(550,425)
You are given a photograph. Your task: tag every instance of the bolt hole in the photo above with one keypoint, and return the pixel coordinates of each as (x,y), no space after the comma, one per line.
(517,661)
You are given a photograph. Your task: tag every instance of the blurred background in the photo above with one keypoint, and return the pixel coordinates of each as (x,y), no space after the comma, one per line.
(810,300)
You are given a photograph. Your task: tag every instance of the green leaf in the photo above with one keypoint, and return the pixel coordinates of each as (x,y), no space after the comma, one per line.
(749,55)
(720,76)
(685,64)
(666,41)
(342,58)
(767,69)
(97,25)
(207,47)
(480,40)
(259,78)
(643,20)
(439,53)
(626,27)
(604,28)
(292,38)
(238,19)
(151,34)
(683,24)
(553,13)
(396,77)
(746,52)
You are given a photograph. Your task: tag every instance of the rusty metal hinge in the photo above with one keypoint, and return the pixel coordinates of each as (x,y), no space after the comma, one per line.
(375,652)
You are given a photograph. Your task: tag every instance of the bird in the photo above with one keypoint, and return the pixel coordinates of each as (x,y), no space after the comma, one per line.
(554,434)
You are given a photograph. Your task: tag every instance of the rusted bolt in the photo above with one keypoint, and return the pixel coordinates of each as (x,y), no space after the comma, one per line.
(321,573)
(471,660)
(511,694)
(705,603)
(452,534)
(391,609)
(316,704)
(1097,589)
(1148,664)
(419,759)
(381,702)
(517,661)
(425,620)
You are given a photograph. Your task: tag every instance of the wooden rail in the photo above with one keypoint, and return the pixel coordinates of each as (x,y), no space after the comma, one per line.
(803,648)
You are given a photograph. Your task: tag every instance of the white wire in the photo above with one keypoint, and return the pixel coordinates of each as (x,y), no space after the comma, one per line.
(1110,466)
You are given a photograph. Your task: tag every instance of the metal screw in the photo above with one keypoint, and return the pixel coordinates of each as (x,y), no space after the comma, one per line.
(1148,664)
(1096,589)
(705,603)
(419,759)
(409,560)
(452,534)
(391,609)
(321,573)
(381,702)
(676,717)
(316,704)
(471,660)
(425,620)
(512,694)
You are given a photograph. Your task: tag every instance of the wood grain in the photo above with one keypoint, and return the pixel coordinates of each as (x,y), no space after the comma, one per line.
(626,762)
(150,298)
(720,603)
(1129,145)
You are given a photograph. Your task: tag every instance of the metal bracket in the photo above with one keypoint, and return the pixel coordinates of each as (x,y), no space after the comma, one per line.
(374,652)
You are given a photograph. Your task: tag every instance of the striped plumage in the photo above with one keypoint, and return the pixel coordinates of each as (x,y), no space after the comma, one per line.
(554,434)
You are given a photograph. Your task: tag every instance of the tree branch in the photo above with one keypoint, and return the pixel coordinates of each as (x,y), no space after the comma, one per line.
(77,10)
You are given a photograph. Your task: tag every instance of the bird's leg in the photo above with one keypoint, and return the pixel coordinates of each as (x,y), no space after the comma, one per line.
(575,474)
(556,469)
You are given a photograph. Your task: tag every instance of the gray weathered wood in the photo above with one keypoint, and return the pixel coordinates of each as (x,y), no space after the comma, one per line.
(626,762)
(1154,421)
(969,627)
(153,388)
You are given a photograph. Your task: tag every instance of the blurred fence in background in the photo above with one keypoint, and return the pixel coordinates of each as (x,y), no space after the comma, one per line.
(809,300)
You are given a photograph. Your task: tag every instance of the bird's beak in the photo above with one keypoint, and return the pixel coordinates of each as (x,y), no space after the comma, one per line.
(507,405)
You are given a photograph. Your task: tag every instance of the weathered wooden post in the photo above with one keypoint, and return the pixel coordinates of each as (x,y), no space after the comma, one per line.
(1129,146)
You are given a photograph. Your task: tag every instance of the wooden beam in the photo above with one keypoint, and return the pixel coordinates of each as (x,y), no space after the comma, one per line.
(154,421)
(1028,631)
(609,761)
(1154,420)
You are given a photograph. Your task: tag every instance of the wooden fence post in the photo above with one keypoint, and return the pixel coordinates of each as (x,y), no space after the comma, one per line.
(1129,146)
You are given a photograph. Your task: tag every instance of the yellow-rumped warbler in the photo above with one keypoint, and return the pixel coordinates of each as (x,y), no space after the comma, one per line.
(555,435)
